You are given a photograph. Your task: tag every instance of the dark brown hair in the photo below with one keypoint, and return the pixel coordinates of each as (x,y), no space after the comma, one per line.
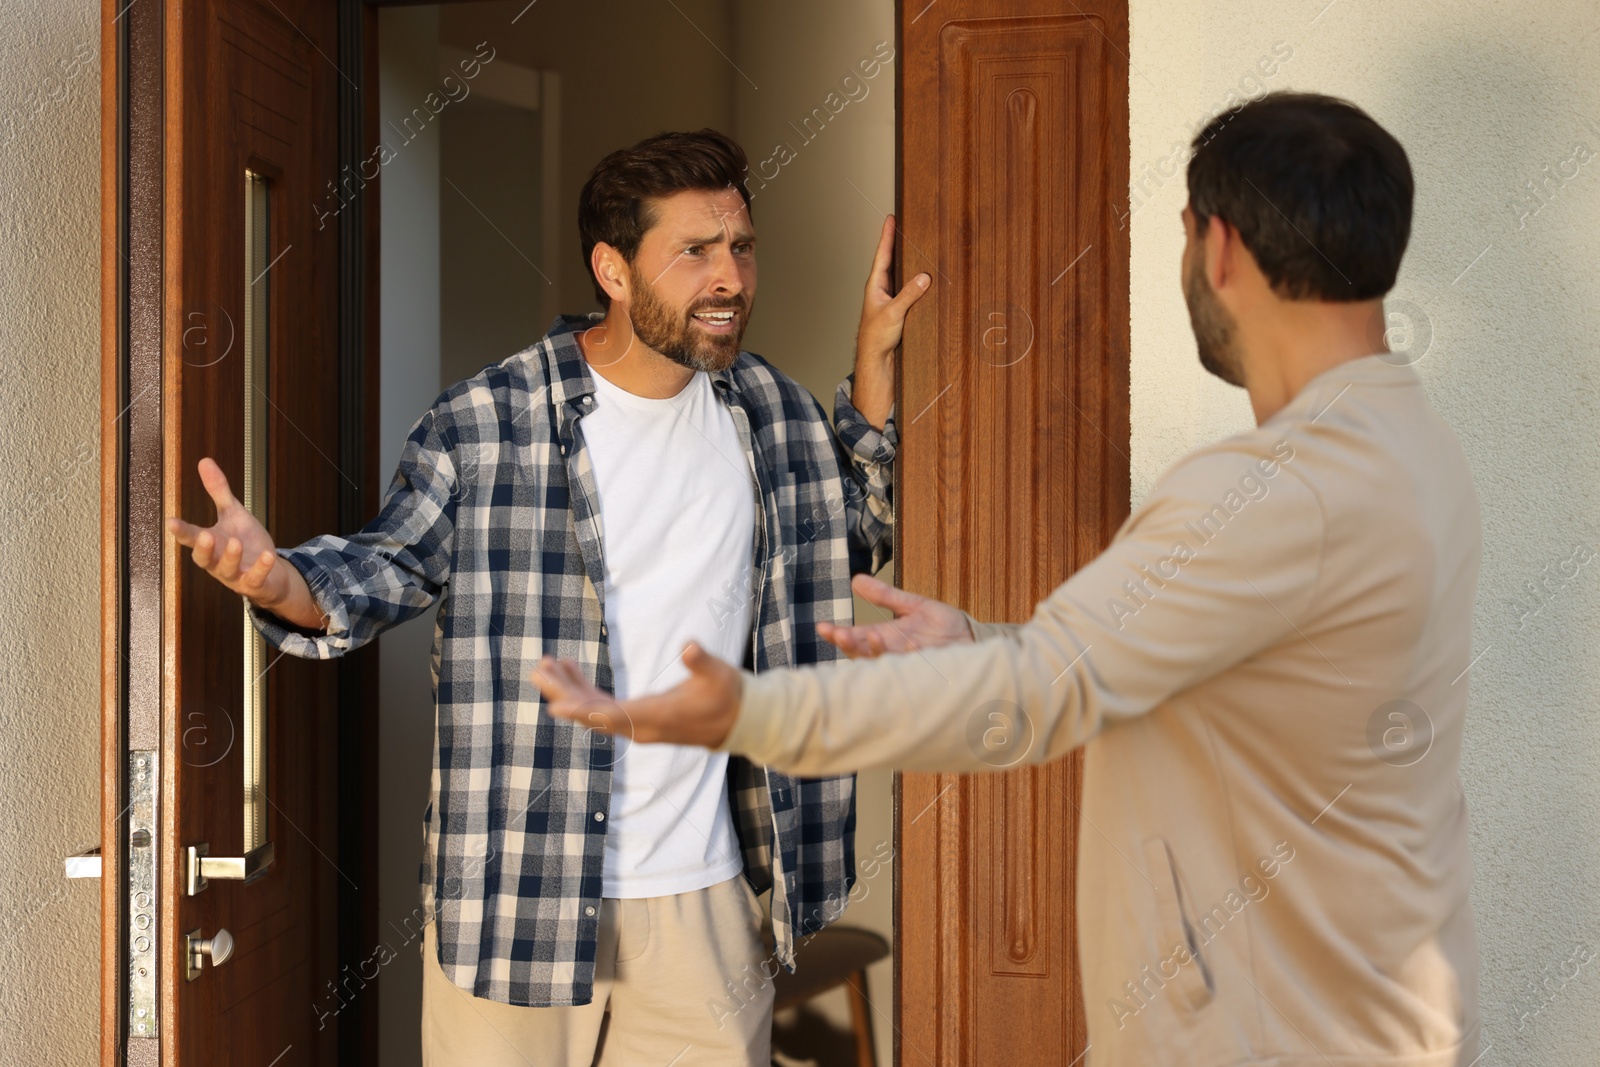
(1319,192)
(616,205)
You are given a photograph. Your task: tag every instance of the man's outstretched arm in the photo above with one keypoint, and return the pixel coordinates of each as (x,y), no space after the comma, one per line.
(1091,655)
(332,594)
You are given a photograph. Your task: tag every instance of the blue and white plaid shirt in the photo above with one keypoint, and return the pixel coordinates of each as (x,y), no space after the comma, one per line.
(494,508)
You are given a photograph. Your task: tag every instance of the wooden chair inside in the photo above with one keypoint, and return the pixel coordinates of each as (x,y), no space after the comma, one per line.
(835,956)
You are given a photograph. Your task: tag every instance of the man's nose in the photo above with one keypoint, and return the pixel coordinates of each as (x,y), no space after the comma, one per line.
(725,280)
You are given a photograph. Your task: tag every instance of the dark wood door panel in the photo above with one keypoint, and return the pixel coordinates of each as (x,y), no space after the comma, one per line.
(1013,473)
(197,95)
(258,97)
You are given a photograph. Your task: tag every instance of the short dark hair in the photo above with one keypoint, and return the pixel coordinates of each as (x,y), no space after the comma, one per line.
(615,205)
(1319,192)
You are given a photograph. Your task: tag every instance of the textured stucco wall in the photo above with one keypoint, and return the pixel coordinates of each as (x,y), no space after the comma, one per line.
(1482,103)
(49,529)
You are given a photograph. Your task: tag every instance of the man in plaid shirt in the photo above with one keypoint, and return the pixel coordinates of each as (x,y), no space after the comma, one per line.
(631,482)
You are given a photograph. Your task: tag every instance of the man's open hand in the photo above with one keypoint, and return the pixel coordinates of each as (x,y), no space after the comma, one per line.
(919,622)
(701,710)
(238,552)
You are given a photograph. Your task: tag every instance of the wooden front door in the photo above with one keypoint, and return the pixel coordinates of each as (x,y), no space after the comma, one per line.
(224,866)
(1013,169)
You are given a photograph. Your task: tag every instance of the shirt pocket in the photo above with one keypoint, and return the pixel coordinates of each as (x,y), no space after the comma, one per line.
(1182,962)
(806,513)
(782,551)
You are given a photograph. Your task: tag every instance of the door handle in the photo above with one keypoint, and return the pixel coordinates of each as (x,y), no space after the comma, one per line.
(219,947)
(200,867)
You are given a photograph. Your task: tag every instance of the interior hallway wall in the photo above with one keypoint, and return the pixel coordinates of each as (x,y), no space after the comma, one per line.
(491,298)
(49,530)
(598,114)
(1499,301)
(814,94)
(627,71)
(409,380)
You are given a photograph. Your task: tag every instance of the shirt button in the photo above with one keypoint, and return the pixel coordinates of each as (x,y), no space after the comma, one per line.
(599,816)
(603,630)
(588,911)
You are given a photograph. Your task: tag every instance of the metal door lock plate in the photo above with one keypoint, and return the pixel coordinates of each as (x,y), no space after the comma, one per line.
(142,953)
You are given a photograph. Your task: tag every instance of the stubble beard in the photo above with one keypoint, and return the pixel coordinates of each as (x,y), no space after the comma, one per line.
(674,334)
(1214,332)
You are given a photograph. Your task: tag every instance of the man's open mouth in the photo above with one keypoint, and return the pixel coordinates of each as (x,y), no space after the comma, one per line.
(718,317)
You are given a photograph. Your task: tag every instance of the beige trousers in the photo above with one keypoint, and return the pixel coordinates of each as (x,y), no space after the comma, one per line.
(661,994)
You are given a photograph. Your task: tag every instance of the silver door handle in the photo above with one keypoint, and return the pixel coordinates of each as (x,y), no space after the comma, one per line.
(200,866)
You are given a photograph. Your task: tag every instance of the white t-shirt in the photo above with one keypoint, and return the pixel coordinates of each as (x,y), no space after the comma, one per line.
(677,510)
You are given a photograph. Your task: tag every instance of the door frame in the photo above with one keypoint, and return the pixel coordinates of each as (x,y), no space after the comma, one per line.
(133,37)
(1097,499)
(134,291)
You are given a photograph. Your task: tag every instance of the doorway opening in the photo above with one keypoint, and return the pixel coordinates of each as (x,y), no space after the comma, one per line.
(494,113)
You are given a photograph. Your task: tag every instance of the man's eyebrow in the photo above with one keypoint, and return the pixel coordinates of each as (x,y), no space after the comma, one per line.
(742,237)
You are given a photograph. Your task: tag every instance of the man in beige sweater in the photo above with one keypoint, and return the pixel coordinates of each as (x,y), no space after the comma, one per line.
(1267,668)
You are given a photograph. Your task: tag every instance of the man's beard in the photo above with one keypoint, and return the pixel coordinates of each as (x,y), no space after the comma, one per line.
(674,335)
(1213,326)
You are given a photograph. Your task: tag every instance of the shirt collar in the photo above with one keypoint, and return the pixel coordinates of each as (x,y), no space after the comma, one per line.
(1319,393)
(571,381)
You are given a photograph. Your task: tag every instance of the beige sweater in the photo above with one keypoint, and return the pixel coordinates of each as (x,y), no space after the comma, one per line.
(1268,671)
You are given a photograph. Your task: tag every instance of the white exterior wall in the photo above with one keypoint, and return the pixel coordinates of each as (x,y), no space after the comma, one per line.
(1483,97)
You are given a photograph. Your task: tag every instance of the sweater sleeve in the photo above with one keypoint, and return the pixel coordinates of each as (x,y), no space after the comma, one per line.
(1218,563)
(983,631)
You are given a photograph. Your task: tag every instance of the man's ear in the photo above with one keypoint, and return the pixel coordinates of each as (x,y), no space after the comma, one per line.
(611,270)
(1219,245)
